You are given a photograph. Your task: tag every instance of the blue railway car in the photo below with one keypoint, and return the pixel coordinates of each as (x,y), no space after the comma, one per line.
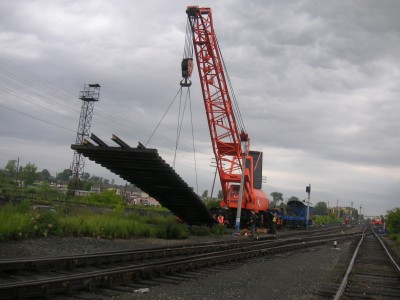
(296,214)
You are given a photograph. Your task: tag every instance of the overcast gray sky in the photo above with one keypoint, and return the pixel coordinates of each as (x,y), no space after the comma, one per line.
(317,82)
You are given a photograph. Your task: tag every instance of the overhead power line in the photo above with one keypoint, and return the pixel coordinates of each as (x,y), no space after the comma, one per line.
(36,118)
(46,100)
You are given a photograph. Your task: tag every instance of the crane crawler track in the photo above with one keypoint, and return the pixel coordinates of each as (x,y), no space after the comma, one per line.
(148,171)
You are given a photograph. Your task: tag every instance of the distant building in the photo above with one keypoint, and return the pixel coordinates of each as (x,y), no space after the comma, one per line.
(132,194)
(81,193)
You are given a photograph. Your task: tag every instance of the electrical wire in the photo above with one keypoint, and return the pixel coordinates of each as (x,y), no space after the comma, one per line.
(31,95)
(36,118)
(47,100)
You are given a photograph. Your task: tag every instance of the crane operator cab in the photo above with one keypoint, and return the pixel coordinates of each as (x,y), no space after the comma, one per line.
(233,194)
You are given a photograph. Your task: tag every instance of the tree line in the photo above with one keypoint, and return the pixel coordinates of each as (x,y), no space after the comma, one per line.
(29,174)
(320,208)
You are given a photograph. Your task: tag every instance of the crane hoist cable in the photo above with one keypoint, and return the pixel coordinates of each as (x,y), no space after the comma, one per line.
(179,130)
(188,47)
(179,126)
(187,59)
(162,118)
(187,67)
(236,109)
(194,148)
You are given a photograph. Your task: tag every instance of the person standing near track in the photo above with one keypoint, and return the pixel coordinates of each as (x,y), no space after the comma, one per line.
(221,219)
(274,220)
(253,221)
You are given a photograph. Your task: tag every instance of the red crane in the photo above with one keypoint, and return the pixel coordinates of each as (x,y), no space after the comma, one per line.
(226,138)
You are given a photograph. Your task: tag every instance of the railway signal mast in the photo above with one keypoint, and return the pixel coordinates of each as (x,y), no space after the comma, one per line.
(308,190)
(239,169)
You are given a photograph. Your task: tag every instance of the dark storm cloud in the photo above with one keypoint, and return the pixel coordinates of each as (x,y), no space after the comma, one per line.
(317,83)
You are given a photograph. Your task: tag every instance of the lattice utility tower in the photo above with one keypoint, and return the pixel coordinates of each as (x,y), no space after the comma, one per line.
(89,95)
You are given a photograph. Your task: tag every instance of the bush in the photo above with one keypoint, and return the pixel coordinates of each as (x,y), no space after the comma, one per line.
(393,221)
(200,230)
(176,231)
(104,198)
(212,204)
(19,221)
(14,225)
(218,229)
(23,207)
(319,220)
(45,223)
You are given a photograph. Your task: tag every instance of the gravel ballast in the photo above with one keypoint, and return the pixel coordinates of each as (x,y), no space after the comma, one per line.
(294,275)
(298,274)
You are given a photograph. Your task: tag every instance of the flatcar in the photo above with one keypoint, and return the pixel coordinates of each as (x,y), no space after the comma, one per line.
(296,214)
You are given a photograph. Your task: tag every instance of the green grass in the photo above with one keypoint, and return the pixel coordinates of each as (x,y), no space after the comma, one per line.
(395,237)
(20,221)
(319,220)
(217,229)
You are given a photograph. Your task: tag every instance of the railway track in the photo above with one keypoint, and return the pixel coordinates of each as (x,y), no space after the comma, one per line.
(45,277)
(372,272)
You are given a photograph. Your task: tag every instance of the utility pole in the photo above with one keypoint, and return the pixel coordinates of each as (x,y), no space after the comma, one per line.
(16,178)
(308,190)
(337,208)
(212,189)
(16,173)
(245,146)
(215,176)
(351,212)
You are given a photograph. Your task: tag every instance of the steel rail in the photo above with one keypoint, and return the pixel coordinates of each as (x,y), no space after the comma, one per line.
(122,256)
(126,274)
(344,282)
(385,260)
(393,262)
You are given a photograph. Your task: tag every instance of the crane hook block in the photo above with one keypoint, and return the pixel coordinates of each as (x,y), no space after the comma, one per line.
(186,82)
(187,68)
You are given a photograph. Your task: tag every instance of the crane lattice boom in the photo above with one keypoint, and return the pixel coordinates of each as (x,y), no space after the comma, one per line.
(226,137)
